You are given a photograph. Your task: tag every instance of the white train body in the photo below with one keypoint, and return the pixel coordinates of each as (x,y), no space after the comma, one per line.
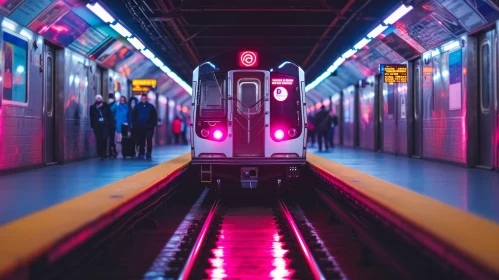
(248,112)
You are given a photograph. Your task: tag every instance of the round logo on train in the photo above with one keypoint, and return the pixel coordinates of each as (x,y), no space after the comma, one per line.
(280,93)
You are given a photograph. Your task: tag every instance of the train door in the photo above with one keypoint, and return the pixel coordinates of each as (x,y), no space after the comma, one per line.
(248,89)
(49,134)
(417,101)
(487,93)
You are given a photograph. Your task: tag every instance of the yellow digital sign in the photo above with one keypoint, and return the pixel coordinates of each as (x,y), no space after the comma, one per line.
(143,85)
(394,73)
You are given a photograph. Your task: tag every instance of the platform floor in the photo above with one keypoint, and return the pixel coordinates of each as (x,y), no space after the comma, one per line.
(469,189)
(24,193)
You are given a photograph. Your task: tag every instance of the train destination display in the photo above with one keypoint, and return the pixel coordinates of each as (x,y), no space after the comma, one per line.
(394,73)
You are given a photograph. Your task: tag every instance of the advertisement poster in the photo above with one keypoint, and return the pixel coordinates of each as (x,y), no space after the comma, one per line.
(463,11)
(88,41)
(66,30)
(409,40)
(455,79)
(122,54)
(49,16)
(488,11)
(7,6)
(29,10)
(107,51)
(429,32)
(400,46)
(445,18)
(15,65)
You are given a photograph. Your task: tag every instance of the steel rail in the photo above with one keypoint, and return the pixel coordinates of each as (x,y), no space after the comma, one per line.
(189,264)
(312,264)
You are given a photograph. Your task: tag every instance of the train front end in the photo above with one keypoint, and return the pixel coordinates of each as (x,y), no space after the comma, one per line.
(249,119)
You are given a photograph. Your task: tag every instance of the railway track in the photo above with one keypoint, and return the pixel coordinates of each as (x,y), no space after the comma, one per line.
(250,242)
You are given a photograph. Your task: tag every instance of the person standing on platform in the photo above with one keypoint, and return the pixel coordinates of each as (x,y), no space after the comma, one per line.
(145,119)
(184,130)
(334,124)
(112,130)
(177,129)
(311,129)
(132,103)
(322,126)
(123,118)
(101,119)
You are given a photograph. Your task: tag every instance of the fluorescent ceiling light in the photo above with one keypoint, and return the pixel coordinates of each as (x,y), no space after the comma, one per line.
(99,11)
(349,53)
(157,62)
(136,43)
(376,31)
(362,43)
(339,61)
(165,69)
(121,30)
(398,14)
(332,68)
(451,45)
(147,53)
(7,23)
(26,34)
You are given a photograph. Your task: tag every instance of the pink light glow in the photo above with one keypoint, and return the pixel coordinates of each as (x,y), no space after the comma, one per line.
(218,134)
(279,134)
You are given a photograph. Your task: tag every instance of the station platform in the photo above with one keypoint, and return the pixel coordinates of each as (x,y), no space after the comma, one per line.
(27,192)
(436,204)
(469,189)
(49,211)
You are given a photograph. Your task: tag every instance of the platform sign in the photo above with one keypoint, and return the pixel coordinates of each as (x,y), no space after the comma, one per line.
(394,73)
(143,85)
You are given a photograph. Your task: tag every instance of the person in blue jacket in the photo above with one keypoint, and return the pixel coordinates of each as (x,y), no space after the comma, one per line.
(112,130)
(145,119)
(123,116)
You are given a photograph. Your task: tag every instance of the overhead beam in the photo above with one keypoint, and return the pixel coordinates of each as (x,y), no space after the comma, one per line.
(324,34)
(260,10)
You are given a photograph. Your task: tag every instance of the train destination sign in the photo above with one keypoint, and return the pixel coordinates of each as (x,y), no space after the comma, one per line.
(394,73)
(143,85)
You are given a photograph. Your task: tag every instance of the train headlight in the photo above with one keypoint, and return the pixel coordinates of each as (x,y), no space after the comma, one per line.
(279,134)
(205,133)
(218,134)
(292,132)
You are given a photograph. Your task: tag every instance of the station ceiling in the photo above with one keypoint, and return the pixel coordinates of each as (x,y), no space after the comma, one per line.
(312,33)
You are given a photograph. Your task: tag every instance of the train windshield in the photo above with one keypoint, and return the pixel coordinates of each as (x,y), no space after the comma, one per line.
(212,96)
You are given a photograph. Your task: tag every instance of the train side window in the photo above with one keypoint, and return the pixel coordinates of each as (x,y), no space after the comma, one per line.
(417,91)
(15,51)
(212,96)
(485,76)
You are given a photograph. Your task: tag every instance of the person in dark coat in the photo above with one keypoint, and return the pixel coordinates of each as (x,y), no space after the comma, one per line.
(101,120)
(322,125)
(334,124)
(112,130)
(132,102)
(145,119)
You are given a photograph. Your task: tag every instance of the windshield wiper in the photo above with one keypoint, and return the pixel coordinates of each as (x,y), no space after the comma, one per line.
(218,85)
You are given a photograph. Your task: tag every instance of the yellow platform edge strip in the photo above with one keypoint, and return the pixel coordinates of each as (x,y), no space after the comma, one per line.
(27,238)
(473,236)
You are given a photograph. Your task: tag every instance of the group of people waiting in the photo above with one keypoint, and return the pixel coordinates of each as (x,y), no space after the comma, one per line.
(129,123)
(322,126)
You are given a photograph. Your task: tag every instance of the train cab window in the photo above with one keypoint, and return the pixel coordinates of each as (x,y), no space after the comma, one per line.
(248,96)
(15,51)
(486,76)
(212,96)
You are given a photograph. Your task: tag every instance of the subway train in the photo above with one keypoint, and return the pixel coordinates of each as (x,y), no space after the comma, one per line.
(248,117)
(447,111)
